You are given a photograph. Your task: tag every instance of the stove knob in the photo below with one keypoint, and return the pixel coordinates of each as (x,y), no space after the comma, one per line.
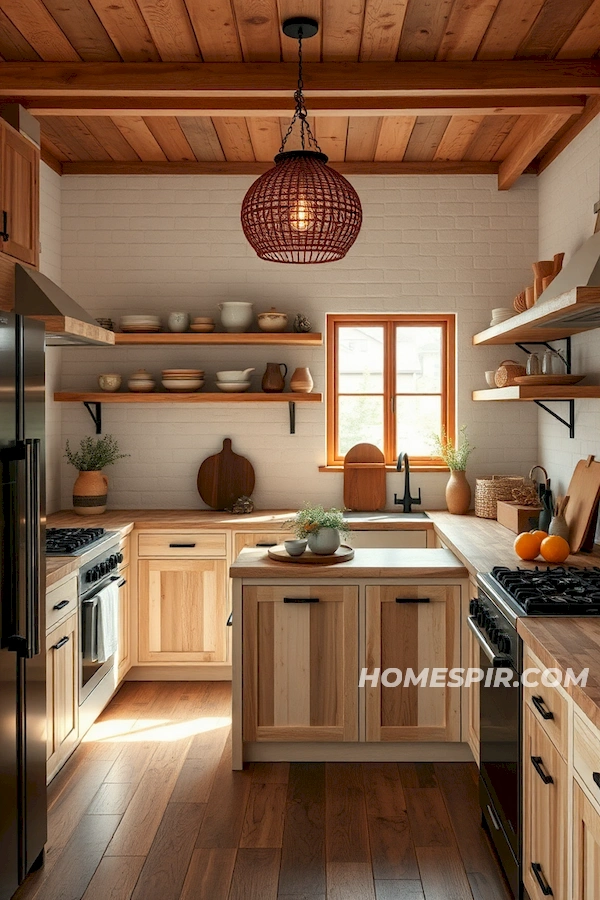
(88,576)
(473,607)
(503,642)
(481,617)
(103,568)
(113,561)
(493,634)
(490,624)
(94,574)
(119,558)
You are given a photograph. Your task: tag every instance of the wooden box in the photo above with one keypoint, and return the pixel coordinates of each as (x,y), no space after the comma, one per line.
(516,516)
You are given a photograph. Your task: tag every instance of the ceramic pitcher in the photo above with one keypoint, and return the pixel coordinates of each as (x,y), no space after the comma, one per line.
(273,382)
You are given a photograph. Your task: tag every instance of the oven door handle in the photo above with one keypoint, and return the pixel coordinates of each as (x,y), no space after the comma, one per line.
(496,661)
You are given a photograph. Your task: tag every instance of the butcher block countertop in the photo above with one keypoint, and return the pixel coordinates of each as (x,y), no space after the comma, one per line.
(372,563)
(59,566)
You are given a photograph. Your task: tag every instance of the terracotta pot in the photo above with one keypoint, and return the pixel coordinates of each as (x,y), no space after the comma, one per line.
(458,493)
(324,542)
(301,381)
(89,493)
(273,382)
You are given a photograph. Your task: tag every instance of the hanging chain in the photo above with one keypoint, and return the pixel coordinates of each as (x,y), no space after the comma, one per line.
(300,113)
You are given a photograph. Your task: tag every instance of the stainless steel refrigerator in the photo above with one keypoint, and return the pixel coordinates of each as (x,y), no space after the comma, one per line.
(22,602)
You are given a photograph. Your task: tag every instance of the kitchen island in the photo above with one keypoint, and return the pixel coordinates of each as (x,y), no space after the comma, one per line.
(303,634)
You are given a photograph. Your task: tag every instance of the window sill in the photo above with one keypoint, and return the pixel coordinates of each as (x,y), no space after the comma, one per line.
(391,468)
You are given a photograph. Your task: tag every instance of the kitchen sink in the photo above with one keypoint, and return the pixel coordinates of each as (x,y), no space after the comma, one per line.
(383,516)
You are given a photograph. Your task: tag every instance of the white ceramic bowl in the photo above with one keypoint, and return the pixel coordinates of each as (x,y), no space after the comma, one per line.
(141,387)
(182,373)
(183,385)
(490,376)
(235,375)
(234,387)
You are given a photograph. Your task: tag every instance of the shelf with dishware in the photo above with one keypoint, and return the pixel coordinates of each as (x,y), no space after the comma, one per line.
(302,339)
(178,397)
(540,392)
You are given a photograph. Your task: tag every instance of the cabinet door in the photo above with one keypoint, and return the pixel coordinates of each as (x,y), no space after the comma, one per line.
(62,677)
(254,539)
(586,847)
(300,663)
(182,610)
(471,693)
(544,814)
(19,196)
(124,656)
(412,627)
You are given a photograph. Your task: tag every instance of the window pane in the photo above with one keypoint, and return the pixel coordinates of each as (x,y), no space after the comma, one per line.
(360,360)
(360,420)
(418,360)
(416,419)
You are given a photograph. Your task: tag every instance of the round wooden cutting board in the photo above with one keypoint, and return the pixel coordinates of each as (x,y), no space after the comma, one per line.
(224,477)
(342,554)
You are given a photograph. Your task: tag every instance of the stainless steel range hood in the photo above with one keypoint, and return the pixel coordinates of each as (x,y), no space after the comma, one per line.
(37,297)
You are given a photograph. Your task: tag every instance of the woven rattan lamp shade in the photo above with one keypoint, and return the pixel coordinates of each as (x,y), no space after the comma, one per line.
(301,211)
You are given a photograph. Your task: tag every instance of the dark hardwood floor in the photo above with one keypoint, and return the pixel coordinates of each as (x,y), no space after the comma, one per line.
(148,808)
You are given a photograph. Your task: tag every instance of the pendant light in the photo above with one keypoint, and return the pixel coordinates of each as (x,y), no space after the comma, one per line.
(301,210)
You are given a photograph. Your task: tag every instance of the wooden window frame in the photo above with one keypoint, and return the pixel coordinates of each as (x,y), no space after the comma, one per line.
(447,322)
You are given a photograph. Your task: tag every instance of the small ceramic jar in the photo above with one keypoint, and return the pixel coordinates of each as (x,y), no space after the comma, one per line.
(236,316)
(272,320)
(141,382)
(178,321)
(109,382)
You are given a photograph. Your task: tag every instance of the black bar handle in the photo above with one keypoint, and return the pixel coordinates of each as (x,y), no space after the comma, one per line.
(537,763)
(33,546)
(229,622)
(182,545)
(544,886)
(540,705)
(413,599)
(122,582)
(61,605)
(4,233)
(300,599)
(596,777)
(64,640)
(267,544)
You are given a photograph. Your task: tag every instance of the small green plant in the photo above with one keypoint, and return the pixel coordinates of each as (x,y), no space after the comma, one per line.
(310,519)
(454,455)
(94,455)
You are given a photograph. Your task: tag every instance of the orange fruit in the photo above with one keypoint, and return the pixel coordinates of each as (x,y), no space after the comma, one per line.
(540,535)
(527,545)
(555,549)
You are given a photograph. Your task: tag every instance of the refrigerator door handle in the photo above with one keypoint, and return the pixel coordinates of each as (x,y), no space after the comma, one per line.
(14,569)
(33,547)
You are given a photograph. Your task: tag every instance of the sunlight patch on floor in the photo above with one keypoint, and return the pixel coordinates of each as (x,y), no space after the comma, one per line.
(122,731)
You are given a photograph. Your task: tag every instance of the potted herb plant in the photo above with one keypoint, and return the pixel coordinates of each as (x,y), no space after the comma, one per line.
(91,487)
(455,455)
(323,528)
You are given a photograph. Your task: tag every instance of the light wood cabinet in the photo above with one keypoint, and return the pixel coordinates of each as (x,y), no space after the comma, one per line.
(300,663)
(19,195)
(412,627)
(586,847)
(545,805)
(471,693)
(182,544)
(62,700)
(124,653)
(182,610)
(263,539)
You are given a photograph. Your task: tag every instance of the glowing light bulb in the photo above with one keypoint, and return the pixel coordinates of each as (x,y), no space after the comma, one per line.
(302,215)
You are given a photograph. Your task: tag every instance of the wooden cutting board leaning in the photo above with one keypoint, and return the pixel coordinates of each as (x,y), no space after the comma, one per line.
(581,511)
(224,477)
(364,478)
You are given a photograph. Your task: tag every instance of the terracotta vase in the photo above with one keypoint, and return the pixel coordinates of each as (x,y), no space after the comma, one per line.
(90,493)
(301,381)
(273,382)
(458,493)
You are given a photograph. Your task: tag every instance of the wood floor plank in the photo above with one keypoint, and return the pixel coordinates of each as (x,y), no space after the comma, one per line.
(270,773)
(442,874)
(65,814)
(414,775)
(263,822)
(226,808)
(399,890)
(167,862)
(255,875)
(347,880)
(132,762)
(392,849)
(302,872)
(383,789)
(429,821)
(346,815)
(115,878)
(484,888)
(195,780)
(111,799)
(209,874)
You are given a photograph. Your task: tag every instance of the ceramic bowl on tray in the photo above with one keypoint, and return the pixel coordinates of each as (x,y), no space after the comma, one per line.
(233,387)
(295,548)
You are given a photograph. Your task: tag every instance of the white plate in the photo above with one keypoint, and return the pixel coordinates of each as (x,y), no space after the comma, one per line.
(233,387)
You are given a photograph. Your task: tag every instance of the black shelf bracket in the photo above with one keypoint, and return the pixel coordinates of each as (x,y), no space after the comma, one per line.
(566,355)
(292,408)
(95,413)
(568,423)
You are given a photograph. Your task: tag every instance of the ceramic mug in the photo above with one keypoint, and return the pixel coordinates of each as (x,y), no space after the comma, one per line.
(178,322)
(109,382)
(295,548)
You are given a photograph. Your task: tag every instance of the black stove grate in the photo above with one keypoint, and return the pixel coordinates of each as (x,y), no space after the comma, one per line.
(557,591)
(64,541)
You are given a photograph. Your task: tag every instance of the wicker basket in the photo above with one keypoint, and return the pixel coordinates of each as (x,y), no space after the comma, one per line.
(491,488)
(507,371)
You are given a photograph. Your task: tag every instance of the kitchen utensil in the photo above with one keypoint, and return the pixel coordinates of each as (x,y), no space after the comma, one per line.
(342,554)
(546,281)
(295,548)
(235,387)
(236,316)
(178,322)
(584,493)
(272,320)
(540,269)
(529,296)
(548,379)
(301,381)
(490,376)
(507,371)
(224,477)
(533,366)
(235,375)
(553,363)
(558,263)
(364,478)
(109,382)
(273,382)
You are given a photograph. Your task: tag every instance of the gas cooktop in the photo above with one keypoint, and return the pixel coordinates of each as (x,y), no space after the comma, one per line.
(557,591)
(71,541)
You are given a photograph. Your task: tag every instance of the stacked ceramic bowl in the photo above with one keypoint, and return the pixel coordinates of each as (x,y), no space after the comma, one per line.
(202,324)
(501,313)
(140,324)
(235,381)
(182,381)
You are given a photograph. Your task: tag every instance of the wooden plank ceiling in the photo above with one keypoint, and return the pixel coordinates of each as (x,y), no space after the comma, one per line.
(501,132)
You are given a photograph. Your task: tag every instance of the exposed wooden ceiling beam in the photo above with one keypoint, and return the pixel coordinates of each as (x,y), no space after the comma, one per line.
(51,160)
(448,105)
(535,139)
(272,79)
(592,109)
(444,167)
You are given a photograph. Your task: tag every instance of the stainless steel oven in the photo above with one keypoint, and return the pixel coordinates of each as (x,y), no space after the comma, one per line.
(94,575)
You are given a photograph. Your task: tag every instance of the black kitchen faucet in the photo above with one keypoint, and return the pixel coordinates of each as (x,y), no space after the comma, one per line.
(407,501)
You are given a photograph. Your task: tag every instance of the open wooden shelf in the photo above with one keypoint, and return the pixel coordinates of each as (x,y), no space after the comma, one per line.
(197,397)
(540,392)
(573,312)
(304,339)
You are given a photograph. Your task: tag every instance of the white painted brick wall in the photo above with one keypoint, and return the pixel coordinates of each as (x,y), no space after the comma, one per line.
(160,243)
(568,190)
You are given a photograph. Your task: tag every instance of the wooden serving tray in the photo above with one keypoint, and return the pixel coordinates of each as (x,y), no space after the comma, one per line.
(342,554)
(548,379)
